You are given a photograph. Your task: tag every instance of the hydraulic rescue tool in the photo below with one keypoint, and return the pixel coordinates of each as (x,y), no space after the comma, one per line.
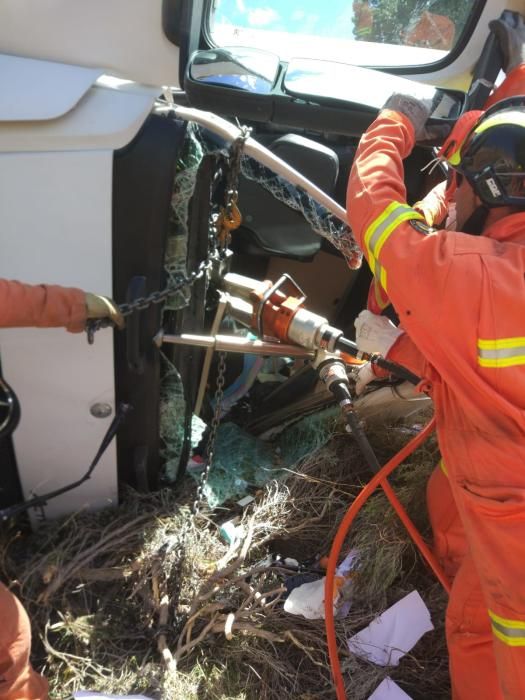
(279,314)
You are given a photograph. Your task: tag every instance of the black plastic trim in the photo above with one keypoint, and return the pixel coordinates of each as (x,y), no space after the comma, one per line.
(143,174)
(181,22)
(304,112)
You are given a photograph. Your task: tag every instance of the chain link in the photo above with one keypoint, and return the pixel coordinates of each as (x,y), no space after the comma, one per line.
(234,166)
(158,297)
(143,303)
(210,445)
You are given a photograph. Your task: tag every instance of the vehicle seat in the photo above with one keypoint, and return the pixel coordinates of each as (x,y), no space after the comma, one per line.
(269,227)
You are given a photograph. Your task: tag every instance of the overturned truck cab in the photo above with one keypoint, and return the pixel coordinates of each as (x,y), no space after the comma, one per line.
(90,138)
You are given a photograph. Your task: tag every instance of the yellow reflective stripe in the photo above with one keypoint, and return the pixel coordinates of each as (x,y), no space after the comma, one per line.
(502,362)
(510,632)
(455,158)
(377,222)
(501,343)
(382,277)
(380,301)
(443,468)
(516,118)
(501,352)
(378,271)
(380,229)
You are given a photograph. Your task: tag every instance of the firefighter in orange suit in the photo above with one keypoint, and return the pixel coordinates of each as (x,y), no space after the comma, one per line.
(438,208)
(436,205)
(460,299)
(38,306)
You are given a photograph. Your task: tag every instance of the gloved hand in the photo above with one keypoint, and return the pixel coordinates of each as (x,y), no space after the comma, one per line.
(418,108)
(425,211)
(510,33)
(365,375)
(375,333)
(98,307)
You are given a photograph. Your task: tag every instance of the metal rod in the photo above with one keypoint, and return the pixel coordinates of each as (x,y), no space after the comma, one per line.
(219,315)
(229,132)
(228,343)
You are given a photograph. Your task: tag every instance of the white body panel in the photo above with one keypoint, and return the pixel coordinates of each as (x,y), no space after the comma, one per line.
(56,186)
(49,203)
(40,89)
(123,37)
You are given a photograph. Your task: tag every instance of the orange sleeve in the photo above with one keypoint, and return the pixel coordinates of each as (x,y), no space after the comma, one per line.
(405,352)
(42,306)
(17,677)
(514,84)
(376,179)
(411,263)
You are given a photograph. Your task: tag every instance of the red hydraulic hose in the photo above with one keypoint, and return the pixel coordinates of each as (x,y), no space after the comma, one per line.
(344,527)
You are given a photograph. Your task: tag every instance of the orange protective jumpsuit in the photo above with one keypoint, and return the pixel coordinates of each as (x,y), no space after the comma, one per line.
(437,202)
(42,306)
(457,297)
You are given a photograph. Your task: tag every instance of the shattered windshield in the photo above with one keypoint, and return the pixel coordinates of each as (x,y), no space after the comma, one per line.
(365,32)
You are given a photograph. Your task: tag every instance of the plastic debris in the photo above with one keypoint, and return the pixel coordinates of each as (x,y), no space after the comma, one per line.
(242,461)
(291,562)
(388,690)
(231,532)
(308,599)
(245,501)
(243,383)
(394,633)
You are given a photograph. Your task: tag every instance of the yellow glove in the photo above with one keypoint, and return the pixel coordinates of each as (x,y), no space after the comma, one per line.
(100,307)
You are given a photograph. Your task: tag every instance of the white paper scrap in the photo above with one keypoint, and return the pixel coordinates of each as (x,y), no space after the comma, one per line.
(394,633)
(89,695)
(388,690)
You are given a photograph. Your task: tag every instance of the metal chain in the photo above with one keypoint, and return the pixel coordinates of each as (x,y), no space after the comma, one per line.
(234,164)
(229,217)
(143,303)
(212,437)
(158,297)
(234,169)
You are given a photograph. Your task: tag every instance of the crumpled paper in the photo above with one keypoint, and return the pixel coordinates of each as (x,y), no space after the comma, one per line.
(388,690)
(394,633)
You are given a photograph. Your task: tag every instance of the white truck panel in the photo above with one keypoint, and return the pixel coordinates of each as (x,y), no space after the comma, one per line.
(107,117)
(55,226)
(125,37)
(33,90)
(56,182)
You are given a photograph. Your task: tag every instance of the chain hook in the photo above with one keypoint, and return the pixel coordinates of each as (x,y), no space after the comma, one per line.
(230,217)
